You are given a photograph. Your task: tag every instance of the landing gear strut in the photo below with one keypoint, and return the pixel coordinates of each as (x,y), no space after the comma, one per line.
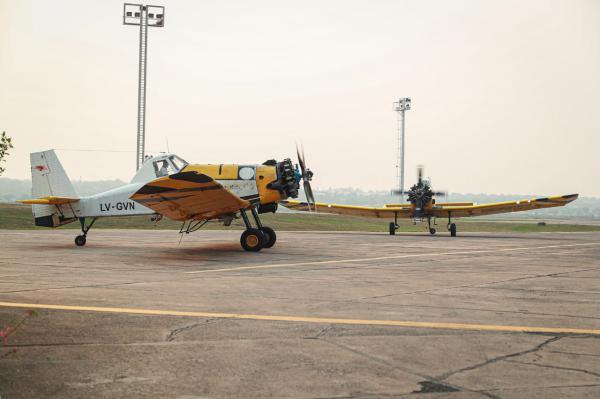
(255,239)
(432,231)
(81,239)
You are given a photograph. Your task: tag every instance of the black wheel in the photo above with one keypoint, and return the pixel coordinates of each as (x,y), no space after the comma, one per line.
(452,230)
(432,231)
(392,228)
(80,240)
(270,236)
(252,240)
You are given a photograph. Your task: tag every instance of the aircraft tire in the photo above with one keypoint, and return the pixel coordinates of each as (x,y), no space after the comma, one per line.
(80,240)
(252,240)
(452,230)
(432,231)
(270,236)
(392,228)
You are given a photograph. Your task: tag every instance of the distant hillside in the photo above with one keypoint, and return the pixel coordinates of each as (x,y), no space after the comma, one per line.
(583,208)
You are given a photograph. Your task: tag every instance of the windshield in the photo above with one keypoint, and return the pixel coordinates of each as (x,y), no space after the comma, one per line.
(178,163)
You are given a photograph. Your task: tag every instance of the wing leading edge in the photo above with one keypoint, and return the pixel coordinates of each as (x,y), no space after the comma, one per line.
(188,195)
(503,207)
(384,212)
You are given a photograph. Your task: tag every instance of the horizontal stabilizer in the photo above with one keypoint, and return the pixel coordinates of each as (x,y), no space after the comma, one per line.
(50,200)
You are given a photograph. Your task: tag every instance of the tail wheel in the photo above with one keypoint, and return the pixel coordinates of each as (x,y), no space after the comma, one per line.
(432,231)
(452,230)
(270,236)
(392,228)
(252,240)
(80,240)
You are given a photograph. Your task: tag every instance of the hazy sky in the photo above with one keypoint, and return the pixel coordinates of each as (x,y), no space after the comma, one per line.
(506,94)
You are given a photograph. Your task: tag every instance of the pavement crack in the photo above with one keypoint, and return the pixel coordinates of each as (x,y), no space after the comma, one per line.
(428,380)
(549,366)
(499,358)
(173,334)
(321,332)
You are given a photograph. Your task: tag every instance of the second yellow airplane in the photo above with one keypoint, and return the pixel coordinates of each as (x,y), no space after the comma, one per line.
(422,206)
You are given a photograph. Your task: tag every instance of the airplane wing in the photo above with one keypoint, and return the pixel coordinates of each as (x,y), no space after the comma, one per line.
(50,200)
(367,211)
(188,195)
(502,207)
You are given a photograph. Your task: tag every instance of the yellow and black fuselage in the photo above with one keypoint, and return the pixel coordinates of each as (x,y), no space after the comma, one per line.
(213,191)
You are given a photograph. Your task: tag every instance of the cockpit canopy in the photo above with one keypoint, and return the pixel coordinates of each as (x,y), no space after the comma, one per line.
(169,165)
(159,166)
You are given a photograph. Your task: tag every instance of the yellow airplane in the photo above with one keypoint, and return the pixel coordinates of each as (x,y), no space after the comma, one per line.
(166,185)
(422,206)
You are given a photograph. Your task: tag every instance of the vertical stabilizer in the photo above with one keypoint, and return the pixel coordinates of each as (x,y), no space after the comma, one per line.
(48,178)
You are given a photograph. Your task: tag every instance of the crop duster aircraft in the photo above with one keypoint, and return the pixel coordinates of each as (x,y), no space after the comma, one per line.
(423,207)
(168,186)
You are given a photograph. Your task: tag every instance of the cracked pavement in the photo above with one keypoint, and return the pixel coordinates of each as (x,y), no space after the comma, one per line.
(535,280)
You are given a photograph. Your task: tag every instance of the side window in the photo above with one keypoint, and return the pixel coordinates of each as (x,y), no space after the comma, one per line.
(163,168)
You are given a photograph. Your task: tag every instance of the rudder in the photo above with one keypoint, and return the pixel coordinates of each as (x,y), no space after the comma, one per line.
(48,178)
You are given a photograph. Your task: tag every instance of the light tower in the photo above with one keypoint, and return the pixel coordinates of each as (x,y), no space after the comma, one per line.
(400,106)
(143,16)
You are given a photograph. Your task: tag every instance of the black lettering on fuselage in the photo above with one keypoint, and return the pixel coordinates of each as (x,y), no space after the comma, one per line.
(119,206)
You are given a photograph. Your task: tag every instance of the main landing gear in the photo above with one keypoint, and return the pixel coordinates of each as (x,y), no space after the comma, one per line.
(451,226)
(81,239)
(394,225)
(452,229)
(255,239)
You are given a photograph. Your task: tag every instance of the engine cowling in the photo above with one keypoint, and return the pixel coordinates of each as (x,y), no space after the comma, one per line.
(288,179)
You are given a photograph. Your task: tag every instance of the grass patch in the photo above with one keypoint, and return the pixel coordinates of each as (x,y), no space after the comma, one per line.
(19,217)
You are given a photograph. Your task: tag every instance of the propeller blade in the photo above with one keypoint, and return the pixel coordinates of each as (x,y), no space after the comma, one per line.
(419,173)
(310,197)
(301,160)
(307,175)
(440,193)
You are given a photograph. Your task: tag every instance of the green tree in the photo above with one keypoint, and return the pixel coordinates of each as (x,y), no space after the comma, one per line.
(5,145)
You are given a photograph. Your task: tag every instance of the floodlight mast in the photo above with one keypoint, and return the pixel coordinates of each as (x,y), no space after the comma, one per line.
(143,16)
(400,106)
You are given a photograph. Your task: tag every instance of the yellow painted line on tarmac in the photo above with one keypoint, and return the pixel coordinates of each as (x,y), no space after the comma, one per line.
(303,319)
(330,262)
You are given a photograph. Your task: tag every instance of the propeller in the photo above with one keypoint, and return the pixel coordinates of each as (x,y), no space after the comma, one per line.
(306,175)
(420,194)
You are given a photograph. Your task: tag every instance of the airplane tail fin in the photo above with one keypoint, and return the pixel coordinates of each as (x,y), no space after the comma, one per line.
(52,191)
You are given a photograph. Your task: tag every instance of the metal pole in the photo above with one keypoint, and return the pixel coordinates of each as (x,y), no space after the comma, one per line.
(400,107)
(402,156)
(141,122)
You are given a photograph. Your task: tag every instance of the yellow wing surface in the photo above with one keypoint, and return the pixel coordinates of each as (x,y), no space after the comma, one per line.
(385,212)
(188,195)
(50,200)
(459,209)
(502,207)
